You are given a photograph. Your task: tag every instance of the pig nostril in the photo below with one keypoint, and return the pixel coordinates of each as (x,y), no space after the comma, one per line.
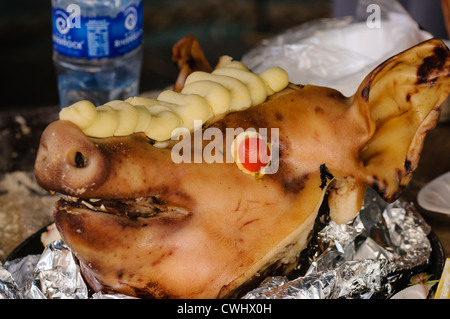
(77,159)
(80,160)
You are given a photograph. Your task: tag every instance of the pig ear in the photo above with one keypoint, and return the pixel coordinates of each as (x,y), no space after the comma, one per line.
(189,57)
(403,96)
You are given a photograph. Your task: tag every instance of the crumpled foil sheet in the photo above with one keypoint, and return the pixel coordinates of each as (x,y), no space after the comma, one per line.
(359,259)
(54,274)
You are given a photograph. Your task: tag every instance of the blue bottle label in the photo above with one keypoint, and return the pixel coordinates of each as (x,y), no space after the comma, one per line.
(75,35)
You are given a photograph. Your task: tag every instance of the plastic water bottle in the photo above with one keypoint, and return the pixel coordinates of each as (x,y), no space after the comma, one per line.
(97,49)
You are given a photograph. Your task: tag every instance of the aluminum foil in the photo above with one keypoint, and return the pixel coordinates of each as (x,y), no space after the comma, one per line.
(54,274)
(360,259)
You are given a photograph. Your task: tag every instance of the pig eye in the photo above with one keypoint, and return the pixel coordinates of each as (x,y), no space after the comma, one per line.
(251,153)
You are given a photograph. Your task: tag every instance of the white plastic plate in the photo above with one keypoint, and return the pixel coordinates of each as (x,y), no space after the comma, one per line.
(435,196)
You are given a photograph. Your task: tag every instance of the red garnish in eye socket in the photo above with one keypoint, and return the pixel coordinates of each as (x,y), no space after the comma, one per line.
(254,154)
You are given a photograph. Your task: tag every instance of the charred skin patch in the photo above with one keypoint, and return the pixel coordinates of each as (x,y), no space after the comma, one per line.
(409,166)
(379,186)
(153,290)
(279,116)
(296,184)
(254,119)
(427,72)
(365,93)
(325,175)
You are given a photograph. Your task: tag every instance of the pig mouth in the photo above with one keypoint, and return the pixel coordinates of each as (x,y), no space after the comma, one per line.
(132,209)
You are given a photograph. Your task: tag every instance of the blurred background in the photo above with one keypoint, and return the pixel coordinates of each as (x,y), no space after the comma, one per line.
(229,27)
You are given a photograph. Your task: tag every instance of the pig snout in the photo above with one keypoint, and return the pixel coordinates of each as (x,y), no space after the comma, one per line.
(69,162)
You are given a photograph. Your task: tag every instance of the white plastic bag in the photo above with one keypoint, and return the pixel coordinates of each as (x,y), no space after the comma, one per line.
(339,52)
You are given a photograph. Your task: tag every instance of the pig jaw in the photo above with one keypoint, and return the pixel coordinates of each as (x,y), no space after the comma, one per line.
(133,257)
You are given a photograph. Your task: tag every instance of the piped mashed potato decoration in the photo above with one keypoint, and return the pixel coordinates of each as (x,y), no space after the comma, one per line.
(205,96)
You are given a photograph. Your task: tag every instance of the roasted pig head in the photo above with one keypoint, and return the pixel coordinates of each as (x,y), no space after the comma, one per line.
(145,225)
